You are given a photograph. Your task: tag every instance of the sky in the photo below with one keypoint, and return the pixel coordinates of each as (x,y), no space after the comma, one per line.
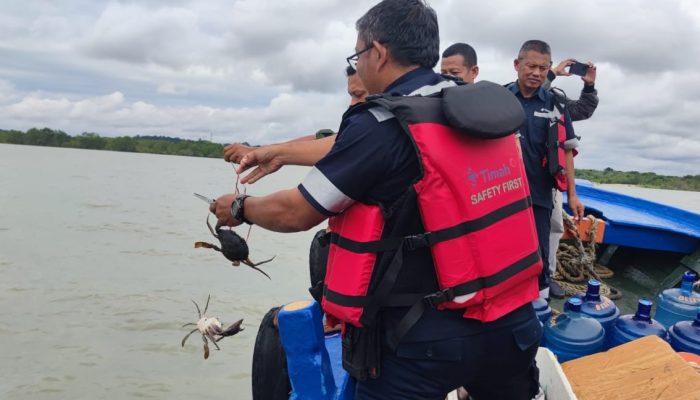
(265,71)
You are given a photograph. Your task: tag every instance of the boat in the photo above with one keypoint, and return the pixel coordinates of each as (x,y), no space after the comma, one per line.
(313,357)
(634,222)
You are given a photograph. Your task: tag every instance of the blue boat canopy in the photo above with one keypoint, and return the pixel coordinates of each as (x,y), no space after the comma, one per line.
(634,222)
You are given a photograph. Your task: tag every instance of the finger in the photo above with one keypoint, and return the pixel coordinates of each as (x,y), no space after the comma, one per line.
(258,175)
(230,155)
(252,177)
(245,163)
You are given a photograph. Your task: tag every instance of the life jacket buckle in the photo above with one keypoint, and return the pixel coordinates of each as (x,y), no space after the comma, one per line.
(437,298)
(417,241)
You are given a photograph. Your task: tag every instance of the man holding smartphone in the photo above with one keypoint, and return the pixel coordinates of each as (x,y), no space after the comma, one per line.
(532,65)
(579,110)
(586,104)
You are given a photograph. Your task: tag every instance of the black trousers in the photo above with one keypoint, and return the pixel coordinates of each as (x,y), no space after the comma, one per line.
(543,224)
(491,365)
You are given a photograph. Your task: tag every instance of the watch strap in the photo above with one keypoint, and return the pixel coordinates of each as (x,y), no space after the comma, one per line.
(238,212)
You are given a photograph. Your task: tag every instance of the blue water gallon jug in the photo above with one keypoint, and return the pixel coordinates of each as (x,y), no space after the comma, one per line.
(675,304)
(573,334)
(633,326)
(543,310)
(685,335)
(599,307)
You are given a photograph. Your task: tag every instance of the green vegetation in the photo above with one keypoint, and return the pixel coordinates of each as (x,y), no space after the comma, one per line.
(645,179)
(137,144)
(205,148)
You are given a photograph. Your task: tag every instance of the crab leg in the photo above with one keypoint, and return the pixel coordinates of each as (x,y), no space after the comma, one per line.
(207,306)
(251,265)
(199,313)
(187,336)
(210,228)
(213,340)
(206,347)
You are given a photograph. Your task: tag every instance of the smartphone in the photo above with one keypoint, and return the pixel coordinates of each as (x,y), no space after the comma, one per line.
(578,68)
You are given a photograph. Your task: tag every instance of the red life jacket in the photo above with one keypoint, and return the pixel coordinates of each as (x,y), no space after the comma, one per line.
(556,152)
(473,199)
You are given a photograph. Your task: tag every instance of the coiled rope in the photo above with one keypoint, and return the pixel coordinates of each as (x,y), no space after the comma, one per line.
(576,262)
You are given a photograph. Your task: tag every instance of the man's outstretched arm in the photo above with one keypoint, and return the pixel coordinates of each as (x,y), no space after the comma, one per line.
(271,158)
(283,211)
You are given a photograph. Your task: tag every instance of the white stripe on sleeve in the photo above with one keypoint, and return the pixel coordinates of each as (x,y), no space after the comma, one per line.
(325,192)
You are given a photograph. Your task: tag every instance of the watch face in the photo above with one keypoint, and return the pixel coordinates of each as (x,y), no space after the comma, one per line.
(236,209)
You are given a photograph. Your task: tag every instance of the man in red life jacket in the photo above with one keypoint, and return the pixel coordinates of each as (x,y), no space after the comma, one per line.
(579,110)
(397,230)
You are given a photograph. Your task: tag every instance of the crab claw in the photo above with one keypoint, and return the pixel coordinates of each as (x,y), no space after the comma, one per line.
(232,330)
(199,245)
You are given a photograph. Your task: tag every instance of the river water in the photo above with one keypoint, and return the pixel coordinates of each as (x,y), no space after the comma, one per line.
(97,269)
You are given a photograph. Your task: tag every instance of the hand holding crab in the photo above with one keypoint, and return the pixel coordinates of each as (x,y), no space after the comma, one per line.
(211,328)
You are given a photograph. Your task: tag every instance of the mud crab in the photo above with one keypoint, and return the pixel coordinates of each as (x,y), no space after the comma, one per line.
(211,328)
(233,247)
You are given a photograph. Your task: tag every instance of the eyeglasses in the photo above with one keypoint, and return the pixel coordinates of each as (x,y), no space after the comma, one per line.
(352,60)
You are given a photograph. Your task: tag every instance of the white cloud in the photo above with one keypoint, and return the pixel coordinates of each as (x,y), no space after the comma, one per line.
(172,88)
(7,91)
(267,70)
(286,116)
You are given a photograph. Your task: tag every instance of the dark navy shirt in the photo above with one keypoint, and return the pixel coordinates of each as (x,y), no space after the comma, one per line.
(373,161)
(533,140)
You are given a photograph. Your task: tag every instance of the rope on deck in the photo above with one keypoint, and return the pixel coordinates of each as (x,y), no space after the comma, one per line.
(576,263)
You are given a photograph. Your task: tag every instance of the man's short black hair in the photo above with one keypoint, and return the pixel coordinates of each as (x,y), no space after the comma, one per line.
(534,45)
(464,50)
(350,71)
(408,28)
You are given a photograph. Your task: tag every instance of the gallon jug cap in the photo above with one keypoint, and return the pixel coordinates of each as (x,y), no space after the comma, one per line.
(593,291)
(574,304)
(687,283)
(643,310)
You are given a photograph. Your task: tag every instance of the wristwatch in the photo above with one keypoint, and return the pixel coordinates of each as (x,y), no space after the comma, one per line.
(237,211)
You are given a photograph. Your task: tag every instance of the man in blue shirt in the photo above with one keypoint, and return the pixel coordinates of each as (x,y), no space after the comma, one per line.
(532,65)
(373,162)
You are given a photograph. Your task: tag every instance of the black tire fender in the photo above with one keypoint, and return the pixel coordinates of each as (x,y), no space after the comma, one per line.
(270,377)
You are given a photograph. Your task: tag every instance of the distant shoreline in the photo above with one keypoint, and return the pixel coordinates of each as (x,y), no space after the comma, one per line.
(204,148)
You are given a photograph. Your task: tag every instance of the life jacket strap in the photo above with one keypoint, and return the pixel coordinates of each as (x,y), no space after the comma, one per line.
(492,280)
(433,300)
(392,300)
(428,239)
